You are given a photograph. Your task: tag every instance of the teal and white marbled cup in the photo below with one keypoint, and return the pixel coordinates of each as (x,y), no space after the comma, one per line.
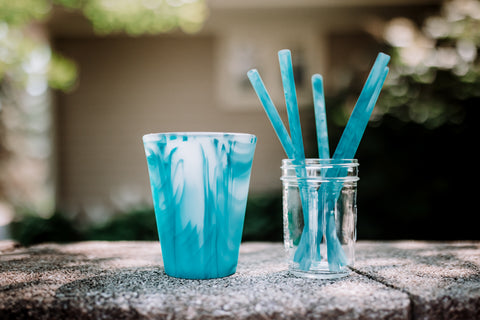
(199,183)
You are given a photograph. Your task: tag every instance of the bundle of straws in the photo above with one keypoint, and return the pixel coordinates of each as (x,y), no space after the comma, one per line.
(293,143)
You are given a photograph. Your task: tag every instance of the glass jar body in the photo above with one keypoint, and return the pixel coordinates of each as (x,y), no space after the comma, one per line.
(320,214)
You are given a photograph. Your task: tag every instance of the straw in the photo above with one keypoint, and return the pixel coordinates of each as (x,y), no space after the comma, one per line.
(272,112)
(353,132)
(323,153)
(286,69)
(279,128)
(346,149)
(320,117)
(288,81)
(323,146)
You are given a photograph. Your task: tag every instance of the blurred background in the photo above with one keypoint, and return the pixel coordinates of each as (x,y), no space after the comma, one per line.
(82,80)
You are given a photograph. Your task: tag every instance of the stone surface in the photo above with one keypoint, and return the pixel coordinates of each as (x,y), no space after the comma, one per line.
(8,245)
(442,279)
(125,280)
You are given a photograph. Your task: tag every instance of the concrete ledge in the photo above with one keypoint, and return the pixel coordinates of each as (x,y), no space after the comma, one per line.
(8,245)
(125,280)
(442,279)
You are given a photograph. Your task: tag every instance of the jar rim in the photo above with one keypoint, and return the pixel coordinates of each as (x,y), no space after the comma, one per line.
(320,170)
(314,162)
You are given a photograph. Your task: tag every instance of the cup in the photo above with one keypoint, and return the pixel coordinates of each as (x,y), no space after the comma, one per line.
(320,215)
(199,183)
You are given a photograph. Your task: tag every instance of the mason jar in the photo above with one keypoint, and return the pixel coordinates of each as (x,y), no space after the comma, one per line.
(319,216)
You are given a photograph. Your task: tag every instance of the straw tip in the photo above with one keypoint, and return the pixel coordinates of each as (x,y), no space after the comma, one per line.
(317,77)
(384,56)
(284,52)
(252,72)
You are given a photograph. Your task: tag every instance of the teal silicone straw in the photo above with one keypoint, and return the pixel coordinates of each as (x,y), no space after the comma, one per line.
(322,143)
(281,132)
(320,117)
(286,69)
(353,132)
(351,139)
(288,81)
(272,112)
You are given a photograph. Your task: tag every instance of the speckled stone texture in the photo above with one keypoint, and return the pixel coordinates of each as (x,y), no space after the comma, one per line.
(442,279)
(125,280)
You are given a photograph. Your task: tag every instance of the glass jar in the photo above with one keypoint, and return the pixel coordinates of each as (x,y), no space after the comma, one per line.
(319,216)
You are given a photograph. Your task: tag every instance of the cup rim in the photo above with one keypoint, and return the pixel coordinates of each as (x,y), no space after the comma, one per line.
(238,135)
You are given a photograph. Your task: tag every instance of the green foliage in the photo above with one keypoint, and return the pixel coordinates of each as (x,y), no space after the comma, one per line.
(263,218)
(435,68)
(263,222)
(25,55)
(106,16)
(28,62)
(30,229)
(135,225)
(72,4)
(144,17)
(62,73)
(21,12)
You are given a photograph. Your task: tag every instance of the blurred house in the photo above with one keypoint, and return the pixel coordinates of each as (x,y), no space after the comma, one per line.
(130,86)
